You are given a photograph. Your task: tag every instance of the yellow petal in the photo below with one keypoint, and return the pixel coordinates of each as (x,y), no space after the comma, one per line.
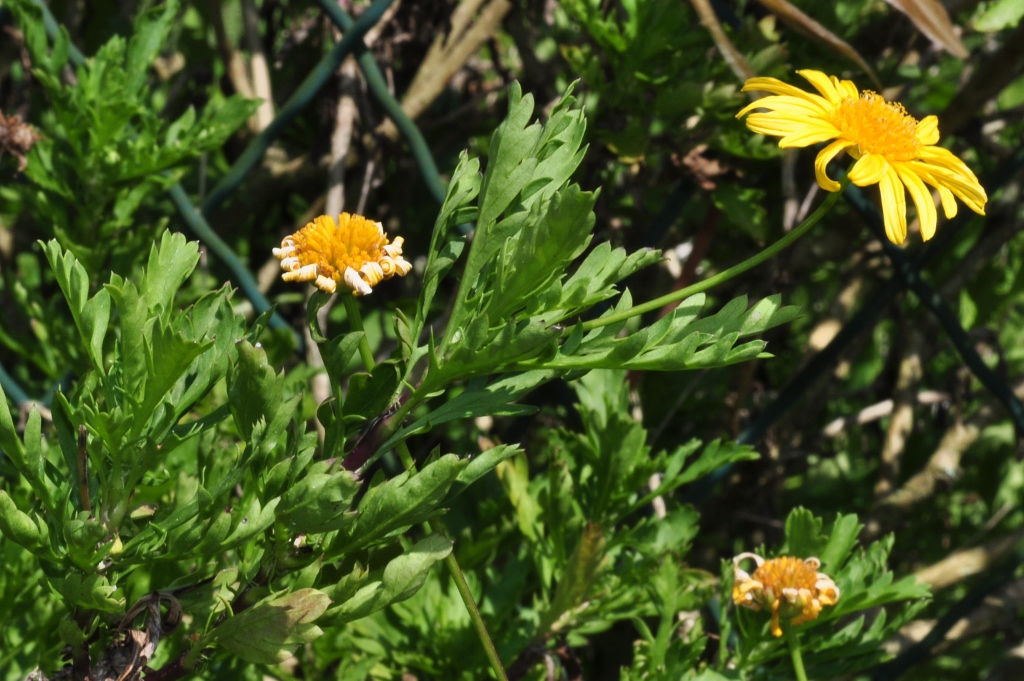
(928,130)
(821,164)
(777,87)
(846,89)
(810,134)
(776,124)
(894,207)
(869,169)
(822,84)
(948,202)
(970,192)
(947,159)
(926,213)
(786,103)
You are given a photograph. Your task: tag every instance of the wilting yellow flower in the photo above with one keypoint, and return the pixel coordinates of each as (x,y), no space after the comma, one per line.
(792,588)
(354,251)
(892,148)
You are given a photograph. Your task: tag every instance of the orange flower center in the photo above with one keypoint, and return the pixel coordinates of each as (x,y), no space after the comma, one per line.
(878,127)
(786,573)
(353,242)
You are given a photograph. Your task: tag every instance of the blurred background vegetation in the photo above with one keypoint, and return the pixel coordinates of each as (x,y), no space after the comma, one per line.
(867,406)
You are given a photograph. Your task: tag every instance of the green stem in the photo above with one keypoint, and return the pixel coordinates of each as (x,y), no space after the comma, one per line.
(356,320)
(728,274)
(460,581)
(474,612)
(406,456)
(793,639)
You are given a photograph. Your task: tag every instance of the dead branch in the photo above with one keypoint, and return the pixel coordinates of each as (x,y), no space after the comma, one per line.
(877,411)
(258,67)
(943,465)
(448,55)
(733,57)
(965,563)
(238,72)
(993,74)
(998,611)
(904,399)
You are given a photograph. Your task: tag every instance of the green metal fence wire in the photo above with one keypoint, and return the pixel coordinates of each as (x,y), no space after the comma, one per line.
(12,389)
(195,221)
(305,93)
(922,650)
(352,43)
(911,279)
(866,318)
(379,88)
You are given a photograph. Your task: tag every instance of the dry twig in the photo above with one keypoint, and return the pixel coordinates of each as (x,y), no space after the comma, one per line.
(965,563)
(902,422)
(258,67)
(996,612)
(448,55)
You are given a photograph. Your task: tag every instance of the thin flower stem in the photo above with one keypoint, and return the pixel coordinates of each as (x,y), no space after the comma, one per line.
(356,320)
(728,274)
(474,612)
(460,581)
(406,456)
(793,639)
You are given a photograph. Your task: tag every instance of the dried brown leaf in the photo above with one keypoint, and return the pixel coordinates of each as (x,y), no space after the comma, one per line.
(703,169)
(796,19)
(932,19)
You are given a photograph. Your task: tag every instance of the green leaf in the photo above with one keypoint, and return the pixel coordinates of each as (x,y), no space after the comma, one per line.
(267,632)
(495,399)
(168,356)
(313,306)
(256,394)
(170,264)
(369,395)
(594,280)
(16,525)
(479,466)
(841,541)
(458,208)
(150,32)
(508,160)
(578,578)
(316,502)
(10,443)
(555,233)
(403,576)
(999,15)
(803,534)
(744,208)
(91,315)
(401,501)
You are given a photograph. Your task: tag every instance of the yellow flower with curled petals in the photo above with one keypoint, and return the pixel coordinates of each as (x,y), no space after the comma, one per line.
(354,251)
(892,149)
(791,588)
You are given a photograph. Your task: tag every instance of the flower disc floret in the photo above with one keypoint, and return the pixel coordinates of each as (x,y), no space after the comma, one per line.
(791,588)
(354,251)
(892,149)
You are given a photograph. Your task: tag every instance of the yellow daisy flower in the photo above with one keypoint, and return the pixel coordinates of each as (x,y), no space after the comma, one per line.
(354,251)
(792,588)
(892,148)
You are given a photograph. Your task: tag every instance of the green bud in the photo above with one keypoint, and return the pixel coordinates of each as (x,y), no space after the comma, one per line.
(16,525)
